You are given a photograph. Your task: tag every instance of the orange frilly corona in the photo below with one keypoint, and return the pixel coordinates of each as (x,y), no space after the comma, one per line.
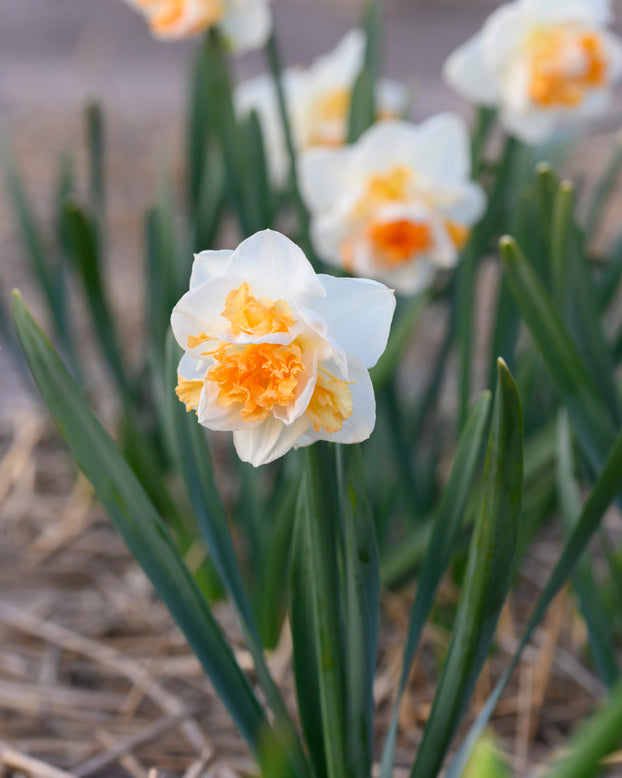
(276,353)
(540,62)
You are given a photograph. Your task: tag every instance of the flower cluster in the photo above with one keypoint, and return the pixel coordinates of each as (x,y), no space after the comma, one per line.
(398,204)
(245,24)
(276,353)
(318,101)
(540,62)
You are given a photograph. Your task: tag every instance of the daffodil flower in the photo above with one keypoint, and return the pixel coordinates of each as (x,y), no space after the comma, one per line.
(540,62)
(318,101)
(276,353)
(397,205)
(245,24)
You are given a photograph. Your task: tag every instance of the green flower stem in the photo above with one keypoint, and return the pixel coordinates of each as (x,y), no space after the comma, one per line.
(274,62)
(319,513)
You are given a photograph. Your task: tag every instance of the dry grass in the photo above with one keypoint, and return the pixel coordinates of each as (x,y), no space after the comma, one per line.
(95,679)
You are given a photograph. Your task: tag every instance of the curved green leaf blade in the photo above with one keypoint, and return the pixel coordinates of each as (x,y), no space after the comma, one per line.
(446,529)
(139,524)
(597,738)
(487,579)
(361,575)
(605,491)
(569,373)
(591,602)
(194,464)
(322,703)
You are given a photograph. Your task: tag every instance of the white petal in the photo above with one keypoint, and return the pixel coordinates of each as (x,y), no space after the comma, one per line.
(216,416)
(268,440)
(247,24)
(385,145)
(324,176)
(442,148)
(558,11)
(463,203)
(199,311)
(465,71)
(340,67)
(259,95)
(530,127)
(275,267)
(360,425)
(192,369)
(328,230)
(502,35)
(411,278)
(208,265)
(359,314)
(393,98)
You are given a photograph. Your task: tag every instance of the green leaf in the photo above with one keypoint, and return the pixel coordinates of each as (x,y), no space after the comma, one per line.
(605,490)
(577,297)
(276,71)
(489,573)
(141,527)
(208,210)
(571,377)
(317,539)
(97,181)
(446,529)
(85,253)
(194,464)
(595,739)
(362,106)
(590,599)
(361,611)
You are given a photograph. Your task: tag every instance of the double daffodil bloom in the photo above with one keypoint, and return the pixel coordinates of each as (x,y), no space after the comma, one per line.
(397,205)
(245,24)
(540,62)
(318,101)
(276,353)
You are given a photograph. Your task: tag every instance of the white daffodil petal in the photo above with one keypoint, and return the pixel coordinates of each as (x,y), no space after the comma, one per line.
(246,24)
(393,99)
(360,424)
(358,313)
(269,440)
(217,416)
(323,174)
(275,267)
(442,148)
(199,311)
(192,369)
(465,71)
(342,65)
(559,11)
(208,265)
(613,53)
(531,127)
(464,204)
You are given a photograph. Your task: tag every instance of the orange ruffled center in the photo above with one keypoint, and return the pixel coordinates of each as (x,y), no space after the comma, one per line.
(396,242)
(261,376)
(564,65)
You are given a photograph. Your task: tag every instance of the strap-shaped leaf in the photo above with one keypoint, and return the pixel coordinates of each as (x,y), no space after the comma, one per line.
(591,602)
(605,490)
(192,458)
(361,612)
(596,738)
(487,578)
(141,527)
(317,538)
(447,524)
(594,426)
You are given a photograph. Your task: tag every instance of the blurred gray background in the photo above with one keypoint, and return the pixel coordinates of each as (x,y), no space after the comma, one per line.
(57,54)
